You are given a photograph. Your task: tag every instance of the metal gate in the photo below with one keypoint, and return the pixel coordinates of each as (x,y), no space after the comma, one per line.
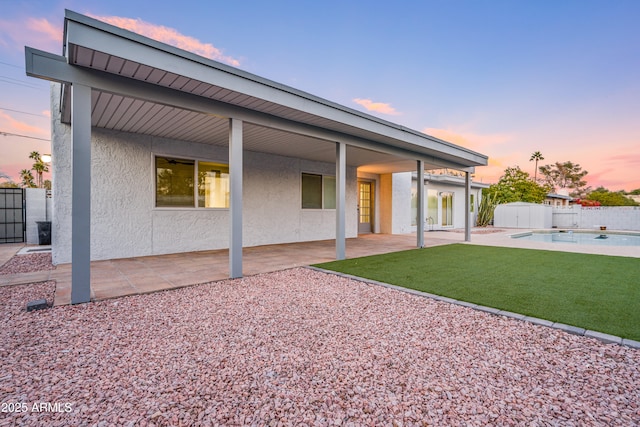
(12,223)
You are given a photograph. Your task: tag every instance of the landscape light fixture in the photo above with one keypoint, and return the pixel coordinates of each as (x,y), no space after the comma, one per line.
(39,304)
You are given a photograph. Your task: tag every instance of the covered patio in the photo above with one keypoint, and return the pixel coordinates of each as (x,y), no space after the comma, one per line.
(124,102)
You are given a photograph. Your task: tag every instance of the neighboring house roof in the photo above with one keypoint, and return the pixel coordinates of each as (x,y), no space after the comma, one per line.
(143,86)
(558,196)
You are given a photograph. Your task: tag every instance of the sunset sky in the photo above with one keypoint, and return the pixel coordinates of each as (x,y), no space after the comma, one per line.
(501,77)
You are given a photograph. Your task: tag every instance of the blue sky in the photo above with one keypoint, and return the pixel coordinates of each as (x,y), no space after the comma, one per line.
(505,78)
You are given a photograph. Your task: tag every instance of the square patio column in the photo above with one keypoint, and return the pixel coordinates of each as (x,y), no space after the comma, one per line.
(235,198)
(80,194)
(420,218)
(341,186)
(467,207)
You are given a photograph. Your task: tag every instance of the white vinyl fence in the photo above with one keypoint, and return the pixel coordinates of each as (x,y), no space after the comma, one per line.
(522,215)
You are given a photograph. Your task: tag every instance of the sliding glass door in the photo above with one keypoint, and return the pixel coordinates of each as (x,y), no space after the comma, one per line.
(447,209)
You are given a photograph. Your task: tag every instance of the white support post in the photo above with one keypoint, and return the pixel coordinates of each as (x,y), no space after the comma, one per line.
(341,186)
(235,198)
(80,194)
(467,207)
(420,218)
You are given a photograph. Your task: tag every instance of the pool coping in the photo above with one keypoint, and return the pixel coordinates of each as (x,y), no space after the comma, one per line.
(573,231)
(601,336)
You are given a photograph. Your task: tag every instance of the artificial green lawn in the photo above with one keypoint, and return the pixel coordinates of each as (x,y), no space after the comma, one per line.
(596,292)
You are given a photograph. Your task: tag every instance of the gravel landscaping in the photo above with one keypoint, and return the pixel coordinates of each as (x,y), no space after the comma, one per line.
(27,264)
(301,347)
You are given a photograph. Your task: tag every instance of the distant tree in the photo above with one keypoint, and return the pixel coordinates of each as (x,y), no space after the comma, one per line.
(516,186)
(39,167)
(27,179)
(9,184)
(635,192)
(610,198)
(566,175)
(47,184)
(536,156)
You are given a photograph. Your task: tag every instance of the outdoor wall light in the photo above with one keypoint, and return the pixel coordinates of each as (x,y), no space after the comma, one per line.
(46,158)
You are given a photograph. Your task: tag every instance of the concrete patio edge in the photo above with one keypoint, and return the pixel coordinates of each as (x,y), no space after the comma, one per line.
(605,338)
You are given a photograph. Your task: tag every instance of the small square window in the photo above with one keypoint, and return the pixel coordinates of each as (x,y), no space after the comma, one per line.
(318,191)
(174,182)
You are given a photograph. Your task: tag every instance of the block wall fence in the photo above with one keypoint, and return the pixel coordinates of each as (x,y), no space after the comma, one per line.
(612,217)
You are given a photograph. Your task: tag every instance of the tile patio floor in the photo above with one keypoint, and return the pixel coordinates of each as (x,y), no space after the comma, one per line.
(130,276)
(115,278)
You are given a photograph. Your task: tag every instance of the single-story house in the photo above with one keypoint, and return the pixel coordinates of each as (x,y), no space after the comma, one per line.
(157,150)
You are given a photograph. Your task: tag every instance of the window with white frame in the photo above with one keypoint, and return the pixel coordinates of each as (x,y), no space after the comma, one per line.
(189,183)
(318,191)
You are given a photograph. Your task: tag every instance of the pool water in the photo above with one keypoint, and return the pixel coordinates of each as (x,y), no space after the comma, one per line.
(579,238)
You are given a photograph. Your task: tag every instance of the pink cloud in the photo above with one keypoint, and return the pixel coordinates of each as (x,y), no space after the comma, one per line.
(36,32)
(378,107)
(630,159)
(11,125)
(169,36)
(615,172)
(46,28)
(612,182)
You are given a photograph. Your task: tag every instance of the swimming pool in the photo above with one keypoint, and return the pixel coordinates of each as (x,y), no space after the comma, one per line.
(603,238)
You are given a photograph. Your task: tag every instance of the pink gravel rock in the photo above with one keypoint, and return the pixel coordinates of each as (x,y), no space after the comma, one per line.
(27,264)
(300,347)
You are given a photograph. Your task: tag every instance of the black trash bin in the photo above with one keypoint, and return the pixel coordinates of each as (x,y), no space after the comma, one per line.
(44,232)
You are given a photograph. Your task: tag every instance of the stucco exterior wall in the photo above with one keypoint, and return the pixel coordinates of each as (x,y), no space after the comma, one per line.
(384,201)
(60,182)
(401,203)
(126,223)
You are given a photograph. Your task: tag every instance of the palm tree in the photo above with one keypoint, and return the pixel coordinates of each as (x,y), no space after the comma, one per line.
(536,156)
(27,178)
(39,166)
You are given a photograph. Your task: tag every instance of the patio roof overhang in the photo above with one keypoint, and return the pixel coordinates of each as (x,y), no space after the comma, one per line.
(143,86)
(115,79)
